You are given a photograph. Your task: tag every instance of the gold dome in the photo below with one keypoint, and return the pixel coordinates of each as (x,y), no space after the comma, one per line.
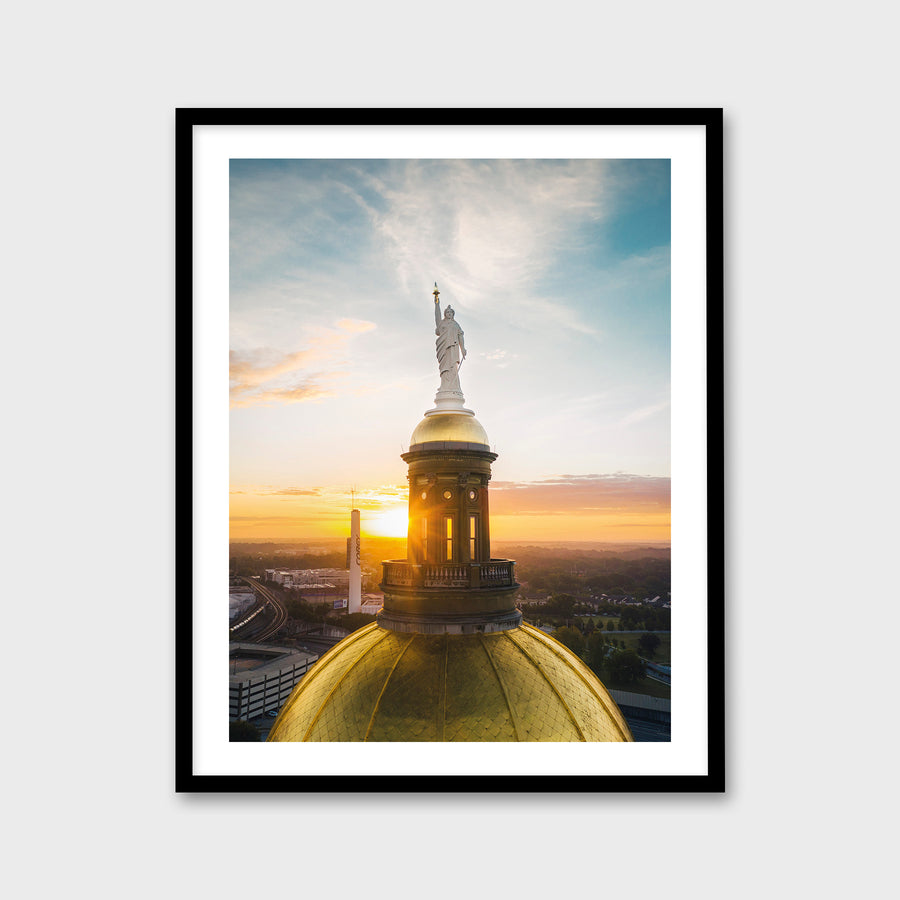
(449,427)
(516,685)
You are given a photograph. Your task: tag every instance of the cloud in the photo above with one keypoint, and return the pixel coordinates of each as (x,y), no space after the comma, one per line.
(645,412)
(289,521)
(265,227)
(582,495)
(374,497)
(294,492)
(487,230)
(306,390)
(356,326)
(378,497)
(252,369)
(265,376)
(542,313)
(315,492)
(501,358)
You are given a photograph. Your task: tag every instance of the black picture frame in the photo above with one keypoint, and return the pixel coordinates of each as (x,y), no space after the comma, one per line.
(187,779)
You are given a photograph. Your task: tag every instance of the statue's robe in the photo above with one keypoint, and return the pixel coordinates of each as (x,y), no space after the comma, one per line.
(447,349)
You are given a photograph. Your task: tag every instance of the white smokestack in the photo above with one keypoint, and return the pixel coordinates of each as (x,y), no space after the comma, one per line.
(355,602)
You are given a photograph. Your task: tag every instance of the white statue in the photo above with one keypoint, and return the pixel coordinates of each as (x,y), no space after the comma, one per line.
(450,347)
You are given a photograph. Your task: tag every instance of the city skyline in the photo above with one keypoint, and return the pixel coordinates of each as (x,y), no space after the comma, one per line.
(559,273)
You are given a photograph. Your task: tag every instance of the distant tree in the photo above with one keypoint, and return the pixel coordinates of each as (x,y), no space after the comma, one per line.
(658,620)
(242,731)
(572,638)
(561,604)
(648,643)
(354,621)
(298,608)
(596,651)
(625,666)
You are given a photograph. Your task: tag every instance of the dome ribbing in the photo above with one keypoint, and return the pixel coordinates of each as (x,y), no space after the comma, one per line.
(517,685)
(453,427)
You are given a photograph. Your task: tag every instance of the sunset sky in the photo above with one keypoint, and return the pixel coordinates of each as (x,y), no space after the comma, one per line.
(559,273)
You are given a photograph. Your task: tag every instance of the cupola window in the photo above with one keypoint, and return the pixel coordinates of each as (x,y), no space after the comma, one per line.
(448,539)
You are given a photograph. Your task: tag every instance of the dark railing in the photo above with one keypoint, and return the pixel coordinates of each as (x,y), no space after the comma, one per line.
(494,573)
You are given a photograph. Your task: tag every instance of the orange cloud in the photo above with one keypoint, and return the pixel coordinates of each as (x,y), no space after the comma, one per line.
(267,377)
(582,495)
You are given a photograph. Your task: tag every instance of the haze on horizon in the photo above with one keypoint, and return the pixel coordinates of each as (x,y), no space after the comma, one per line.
(559,273)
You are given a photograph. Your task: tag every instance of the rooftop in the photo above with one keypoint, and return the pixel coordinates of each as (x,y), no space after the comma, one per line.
(262,660)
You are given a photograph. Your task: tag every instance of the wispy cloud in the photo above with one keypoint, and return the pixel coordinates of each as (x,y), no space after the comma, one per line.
(581,494)
(501,358)
(355,326)
(288,522)
(294,492)
(253,369)
(487,230)
(373,497)
(266,377)
(306,389)
(645,412)
(378,498)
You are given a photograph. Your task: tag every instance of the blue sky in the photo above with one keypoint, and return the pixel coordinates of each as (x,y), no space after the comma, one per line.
(559,272)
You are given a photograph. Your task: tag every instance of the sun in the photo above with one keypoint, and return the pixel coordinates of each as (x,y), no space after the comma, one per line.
(390,523)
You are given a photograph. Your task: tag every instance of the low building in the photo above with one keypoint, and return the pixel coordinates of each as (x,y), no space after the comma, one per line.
(240,599)
(310,579)
(262,677)
(371,603)
(649,718)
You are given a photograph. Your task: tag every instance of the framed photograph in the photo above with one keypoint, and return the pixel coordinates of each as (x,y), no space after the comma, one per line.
(450,441)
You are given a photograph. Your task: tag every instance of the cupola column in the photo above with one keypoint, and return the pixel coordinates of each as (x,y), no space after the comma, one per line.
(485,517)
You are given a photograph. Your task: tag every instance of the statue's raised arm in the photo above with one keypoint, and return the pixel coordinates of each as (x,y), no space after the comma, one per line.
(449,346)
(437,309)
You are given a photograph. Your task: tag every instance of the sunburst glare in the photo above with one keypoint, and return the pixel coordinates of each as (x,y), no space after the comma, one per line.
(390,523)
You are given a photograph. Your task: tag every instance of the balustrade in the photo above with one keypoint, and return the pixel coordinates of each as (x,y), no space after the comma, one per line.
(496,573)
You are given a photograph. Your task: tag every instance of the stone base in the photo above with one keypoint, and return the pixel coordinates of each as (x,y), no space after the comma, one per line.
(430,624)
(449,402)
(448,601)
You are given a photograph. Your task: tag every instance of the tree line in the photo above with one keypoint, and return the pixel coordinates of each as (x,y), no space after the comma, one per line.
(302,611)
(560,608)
(607,657)
(593,572)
